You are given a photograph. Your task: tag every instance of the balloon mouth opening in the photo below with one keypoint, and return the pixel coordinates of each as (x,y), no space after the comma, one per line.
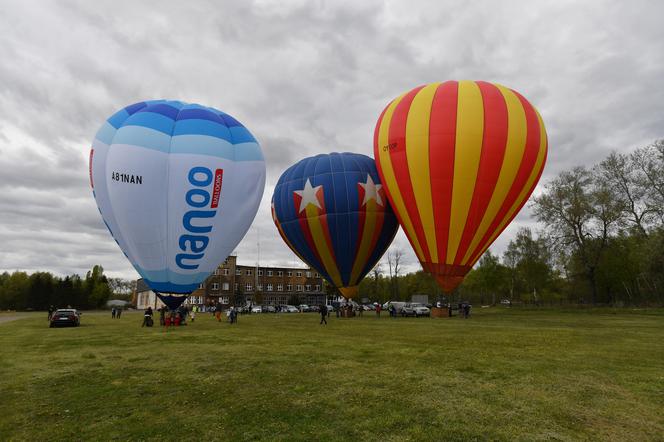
(448,276)
(349,292)
(172,300)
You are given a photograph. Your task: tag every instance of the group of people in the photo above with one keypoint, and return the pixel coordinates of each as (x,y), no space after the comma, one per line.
(168,317)
(116,312)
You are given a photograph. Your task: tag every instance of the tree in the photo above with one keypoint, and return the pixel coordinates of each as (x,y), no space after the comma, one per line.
(649,162)
(394,263)
(621,176)
(121,288)
(533,261)
(580,213)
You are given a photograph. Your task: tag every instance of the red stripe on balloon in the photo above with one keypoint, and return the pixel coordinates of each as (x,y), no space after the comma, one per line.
(527,164)
(442,139)
(400,165)
(494,143)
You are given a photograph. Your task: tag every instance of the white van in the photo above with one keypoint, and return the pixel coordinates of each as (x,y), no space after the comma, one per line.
(397,304)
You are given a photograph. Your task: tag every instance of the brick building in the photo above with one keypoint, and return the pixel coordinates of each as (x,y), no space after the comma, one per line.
(233,284)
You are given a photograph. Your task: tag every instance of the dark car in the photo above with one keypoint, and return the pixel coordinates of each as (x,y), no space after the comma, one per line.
(66,316)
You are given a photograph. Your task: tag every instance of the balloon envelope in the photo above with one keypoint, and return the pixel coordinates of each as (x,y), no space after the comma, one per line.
(178,186)
(332,212)
(458,161)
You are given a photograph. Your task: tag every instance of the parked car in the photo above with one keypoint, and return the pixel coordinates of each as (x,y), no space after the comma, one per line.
(289,309)
(257,309)
(407,310)
(65,316)
(421,310)
(269,309)
(314,308)
(304,308)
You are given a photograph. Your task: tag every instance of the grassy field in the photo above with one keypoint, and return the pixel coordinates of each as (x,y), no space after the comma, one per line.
(501,375)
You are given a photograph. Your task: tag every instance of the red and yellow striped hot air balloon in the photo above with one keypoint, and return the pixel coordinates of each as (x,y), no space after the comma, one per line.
(458,161)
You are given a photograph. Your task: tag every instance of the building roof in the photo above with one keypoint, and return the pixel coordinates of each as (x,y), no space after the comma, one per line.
(141,286)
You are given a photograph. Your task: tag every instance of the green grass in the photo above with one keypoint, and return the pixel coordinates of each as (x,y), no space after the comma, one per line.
(502,375)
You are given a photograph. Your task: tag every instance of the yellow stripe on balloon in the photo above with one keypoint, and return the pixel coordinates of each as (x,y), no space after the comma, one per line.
(365,243)
(318,235)
(417,154)
(468,148)
(516,144)
(534,174)
(391,181)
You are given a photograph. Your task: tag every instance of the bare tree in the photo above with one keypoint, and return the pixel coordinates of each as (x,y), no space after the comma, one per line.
(394,263)
(377,271)
(649,162)
(624,179)
(121,288)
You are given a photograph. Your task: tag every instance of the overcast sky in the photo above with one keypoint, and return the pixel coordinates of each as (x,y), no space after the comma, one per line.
(305,77)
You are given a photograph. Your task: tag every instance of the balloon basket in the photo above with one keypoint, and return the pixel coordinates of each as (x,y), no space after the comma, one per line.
(437,312)
(346,313)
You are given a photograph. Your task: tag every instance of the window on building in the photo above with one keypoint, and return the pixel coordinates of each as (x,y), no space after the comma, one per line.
(289,287)
(216,271)
(280,287)
(316,275)
(318,287)
(269,273)
(215,286)
(298,274)
(225,286)
(280,273)
(248,287)
(200,286)
(224,299)
(238,272)
(308,274)
(248,272)
(269,287)
(289,273)
(308,287)
(259,287)
(298,288)
(260,272)
(237,286)
(226,272)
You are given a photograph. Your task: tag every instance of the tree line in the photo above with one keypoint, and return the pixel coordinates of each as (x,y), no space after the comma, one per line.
(600,241)
(39,290)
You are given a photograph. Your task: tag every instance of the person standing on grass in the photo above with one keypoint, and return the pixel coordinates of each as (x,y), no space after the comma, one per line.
(162,316)
(193,313)
(217,311)
(118,313)
(113,313)
(378,309)
(323,315)
(51,309)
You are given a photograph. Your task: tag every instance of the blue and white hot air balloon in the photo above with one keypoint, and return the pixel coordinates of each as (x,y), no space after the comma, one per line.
(178,186)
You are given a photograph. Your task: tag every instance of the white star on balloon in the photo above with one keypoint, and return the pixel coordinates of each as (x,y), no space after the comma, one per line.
(371,191)
(308,195)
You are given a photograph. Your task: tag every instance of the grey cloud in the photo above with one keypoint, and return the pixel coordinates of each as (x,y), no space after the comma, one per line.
(305,77)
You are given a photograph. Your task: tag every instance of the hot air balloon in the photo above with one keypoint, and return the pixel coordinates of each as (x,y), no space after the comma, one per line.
(178,186)
(331,210)
(458,161)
